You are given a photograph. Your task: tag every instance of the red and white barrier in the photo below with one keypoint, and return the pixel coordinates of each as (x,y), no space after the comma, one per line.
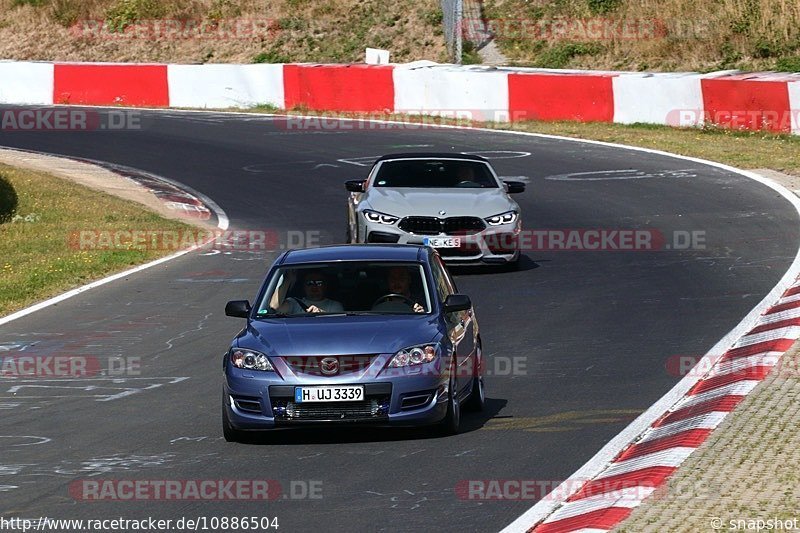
(794,104)
(111,84)
(367,88)
(669,99)
(747,101)
(474,93)
(644,466)
(223,86)
(583,97)
(26,83)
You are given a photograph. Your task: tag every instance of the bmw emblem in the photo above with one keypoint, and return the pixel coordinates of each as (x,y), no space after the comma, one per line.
(329,366)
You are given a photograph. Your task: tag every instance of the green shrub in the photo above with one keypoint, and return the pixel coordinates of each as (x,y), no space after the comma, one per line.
(224,9)
(469,54)
(788,64)
(271,56)
(764,48)
(730,56)
(34,3)
(126,12)
(560,54)
(8,200)
(602,7)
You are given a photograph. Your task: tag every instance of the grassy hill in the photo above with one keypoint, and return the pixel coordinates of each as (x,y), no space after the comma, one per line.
(232,31)
(665,35)
(659,35)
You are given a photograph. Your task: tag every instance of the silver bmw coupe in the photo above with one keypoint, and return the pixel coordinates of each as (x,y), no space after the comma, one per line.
(455,203)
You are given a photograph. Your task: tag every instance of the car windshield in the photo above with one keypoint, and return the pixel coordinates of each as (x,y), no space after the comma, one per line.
(346,288)
(435,173)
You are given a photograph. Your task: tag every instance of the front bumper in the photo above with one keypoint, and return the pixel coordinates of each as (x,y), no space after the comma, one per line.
(493,245)
(266,402)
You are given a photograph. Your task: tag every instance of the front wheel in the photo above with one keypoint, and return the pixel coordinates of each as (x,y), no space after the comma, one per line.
(228,431)
(513,265)
(451,423)
(477,398)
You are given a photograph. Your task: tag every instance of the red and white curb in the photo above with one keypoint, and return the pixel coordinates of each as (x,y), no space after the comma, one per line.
(640,466)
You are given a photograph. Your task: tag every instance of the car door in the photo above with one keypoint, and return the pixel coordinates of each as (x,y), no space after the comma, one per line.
(459,325)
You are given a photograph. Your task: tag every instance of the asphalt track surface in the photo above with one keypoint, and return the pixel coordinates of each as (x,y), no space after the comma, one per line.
(590,332)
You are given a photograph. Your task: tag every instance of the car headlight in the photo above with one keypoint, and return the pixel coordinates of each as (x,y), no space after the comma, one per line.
(380,218)
(250,360)
(503,218)
(414,355)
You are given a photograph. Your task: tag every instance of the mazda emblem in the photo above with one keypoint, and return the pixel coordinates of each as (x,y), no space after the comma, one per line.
(329,366)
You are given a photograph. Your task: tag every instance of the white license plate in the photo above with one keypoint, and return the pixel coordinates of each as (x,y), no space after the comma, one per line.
(329,393)
(442,242)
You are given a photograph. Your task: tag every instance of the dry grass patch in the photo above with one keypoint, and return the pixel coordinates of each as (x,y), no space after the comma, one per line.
(233,31)
(691,35)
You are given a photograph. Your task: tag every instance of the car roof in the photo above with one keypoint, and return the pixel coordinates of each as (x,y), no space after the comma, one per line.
(356,252)
(432,155)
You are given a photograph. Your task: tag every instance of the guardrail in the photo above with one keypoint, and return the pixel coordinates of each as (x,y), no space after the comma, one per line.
(766,101)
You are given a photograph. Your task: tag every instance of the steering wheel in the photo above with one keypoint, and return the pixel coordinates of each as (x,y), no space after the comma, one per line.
(408,300)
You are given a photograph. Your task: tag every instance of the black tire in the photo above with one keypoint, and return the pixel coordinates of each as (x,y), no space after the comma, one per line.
(230,434)
(512,266)
(477,397)
(451,423)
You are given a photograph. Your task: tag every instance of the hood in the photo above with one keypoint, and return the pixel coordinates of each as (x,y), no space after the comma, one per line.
(339,335)
(403,202)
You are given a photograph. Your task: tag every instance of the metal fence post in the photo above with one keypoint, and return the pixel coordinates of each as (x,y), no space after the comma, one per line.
(459,17)
(452,15)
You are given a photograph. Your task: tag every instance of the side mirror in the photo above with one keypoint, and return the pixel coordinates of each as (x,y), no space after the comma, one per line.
(354,185)
(238,308)
(514,187)
(457,302)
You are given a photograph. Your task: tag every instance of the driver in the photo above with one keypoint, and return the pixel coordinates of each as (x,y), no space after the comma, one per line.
(466,173)
(399,282)
(315,285)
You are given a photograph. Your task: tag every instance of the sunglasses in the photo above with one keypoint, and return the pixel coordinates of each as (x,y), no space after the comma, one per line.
(315,283)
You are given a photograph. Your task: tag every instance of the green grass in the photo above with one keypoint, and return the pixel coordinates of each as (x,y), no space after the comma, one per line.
(36,258)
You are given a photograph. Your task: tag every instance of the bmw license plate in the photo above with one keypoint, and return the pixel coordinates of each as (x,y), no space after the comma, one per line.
(442,242)
(329,393)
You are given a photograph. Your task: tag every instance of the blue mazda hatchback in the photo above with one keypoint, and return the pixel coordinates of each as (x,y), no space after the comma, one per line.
(358,334)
